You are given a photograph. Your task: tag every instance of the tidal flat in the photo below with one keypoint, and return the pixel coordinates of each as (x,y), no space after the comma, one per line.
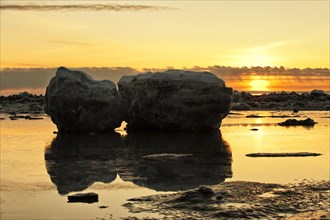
(158,175)
(241,200)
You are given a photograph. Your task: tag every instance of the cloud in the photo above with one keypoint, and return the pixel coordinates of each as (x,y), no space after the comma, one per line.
(269,46)
(83,7)
(69,43)
(38,78)
(35,80)
(274,45)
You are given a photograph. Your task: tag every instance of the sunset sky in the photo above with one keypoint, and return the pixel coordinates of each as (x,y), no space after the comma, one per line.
(160,34)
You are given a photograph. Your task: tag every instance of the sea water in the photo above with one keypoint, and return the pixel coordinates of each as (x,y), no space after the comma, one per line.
(39,169)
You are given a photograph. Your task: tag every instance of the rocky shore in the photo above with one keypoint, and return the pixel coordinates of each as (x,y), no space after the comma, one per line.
(22,103)
(283,101)
(241,200)
(318,100)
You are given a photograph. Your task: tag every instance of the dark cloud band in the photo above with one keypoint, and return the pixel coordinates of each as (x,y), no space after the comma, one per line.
(36,78)
(83,7)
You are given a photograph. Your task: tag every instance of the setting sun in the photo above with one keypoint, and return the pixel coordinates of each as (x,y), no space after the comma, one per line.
(259,85)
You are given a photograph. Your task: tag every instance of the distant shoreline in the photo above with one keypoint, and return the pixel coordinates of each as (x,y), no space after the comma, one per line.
(256,93)
(315,100)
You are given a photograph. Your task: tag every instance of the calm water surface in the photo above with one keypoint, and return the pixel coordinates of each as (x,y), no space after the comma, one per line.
(39,169)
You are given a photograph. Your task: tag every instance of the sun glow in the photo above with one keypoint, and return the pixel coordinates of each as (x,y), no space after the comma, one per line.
(259,85)
(256,57)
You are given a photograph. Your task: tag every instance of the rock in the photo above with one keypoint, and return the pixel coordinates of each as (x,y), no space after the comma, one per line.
(294,122)
(36,118)
(235,113)
(21,103)
(241,200)
(241,106)
(294,154)
(35,107)
(222,194)
(317,214)
(175,100)
(16,117)
(18,104)
(28,117)
(103,206)
(283,116)
(316,100)
(236,96)
(77,103)
(317,92)
(206,190)
(84,197)
(255,116)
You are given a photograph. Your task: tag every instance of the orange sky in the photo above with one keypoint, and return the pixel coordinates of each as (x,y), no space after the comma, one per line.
(157,34)
(172,33)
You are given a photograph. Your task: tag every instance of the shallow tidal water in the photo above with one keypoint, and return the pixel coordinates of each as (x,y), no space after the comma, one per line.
(39,169)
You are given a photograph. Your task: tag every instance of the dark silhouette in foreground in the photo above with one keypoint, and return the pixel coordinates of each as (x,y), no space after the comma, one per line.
(78,103)
(175,100)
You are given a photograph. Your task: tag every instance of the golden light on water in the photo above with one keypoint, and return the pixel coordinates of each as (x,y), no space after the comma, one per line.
(259,85)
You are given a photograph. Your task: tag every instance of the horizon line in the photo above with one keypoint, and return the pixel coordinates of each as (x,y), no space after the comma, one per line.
(253,92)
(165,67)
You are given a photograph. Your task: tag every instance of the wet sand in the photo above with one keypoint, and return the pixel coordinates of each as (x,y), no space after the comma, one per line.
(241,200)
